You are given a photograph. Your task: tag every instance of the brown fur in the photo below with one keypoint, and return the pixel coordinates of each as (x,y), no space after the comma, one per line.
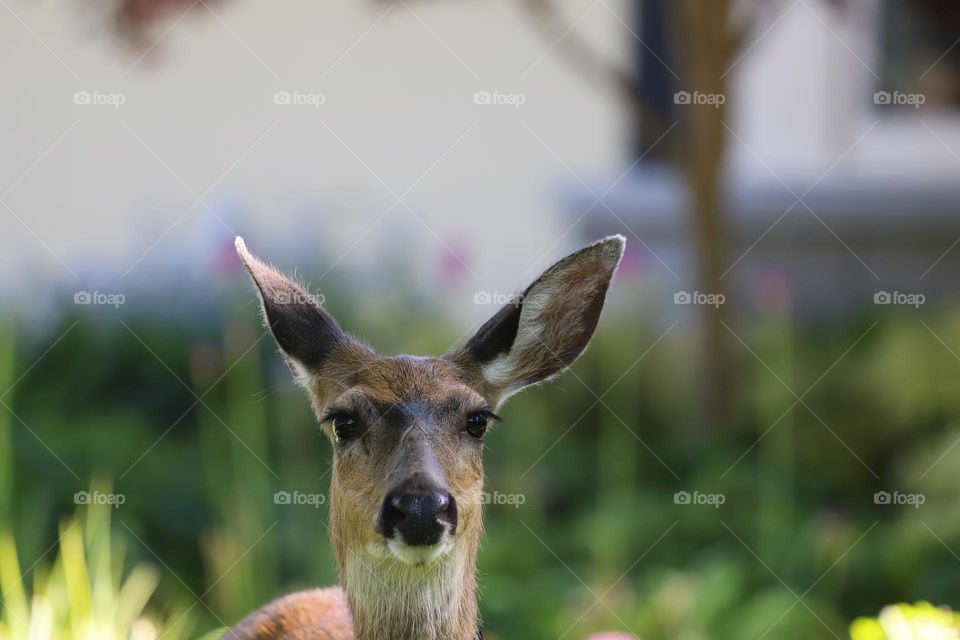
(318,614)
(410,421)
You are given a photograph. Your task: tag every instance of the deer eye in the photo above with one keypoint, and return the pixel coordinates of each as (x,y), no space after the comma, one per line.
(477,423)
(344,425)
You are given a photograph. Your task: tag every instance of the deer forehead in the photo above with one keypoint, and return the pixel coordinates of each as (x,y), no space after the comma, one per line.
(408,381)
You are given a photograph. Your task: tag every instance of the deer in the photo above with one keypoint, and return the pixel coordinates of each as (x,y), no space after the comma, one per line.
(407,434)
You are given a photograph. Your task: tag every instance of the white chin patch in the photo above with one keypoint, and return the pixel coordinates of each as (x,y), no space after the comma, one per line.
(419,555)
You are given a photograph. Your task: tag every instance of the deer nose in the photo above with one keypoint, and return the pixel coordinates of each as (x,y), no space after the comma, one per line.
(420,516)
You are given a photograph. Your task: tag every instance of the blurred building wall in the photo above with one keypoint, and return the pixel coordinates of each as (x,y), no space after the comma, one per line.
(93,187)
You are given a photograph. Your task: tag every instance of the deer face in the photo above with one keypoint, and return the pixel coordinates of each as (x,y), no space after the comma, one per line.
(407,436)
(407,432)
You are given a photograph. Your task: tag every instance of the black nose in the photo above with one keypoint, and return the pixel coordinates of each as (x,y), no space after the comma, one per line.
(419,515)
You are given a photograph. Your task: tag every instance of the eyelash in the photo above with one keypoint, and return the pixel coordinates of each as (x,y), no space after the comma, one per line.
(489,415)
(333,414)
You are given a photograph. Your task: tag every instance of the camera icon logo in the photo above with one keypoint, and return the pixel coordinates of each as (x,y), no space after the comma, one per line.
(682,97)
(482,297)
(682,297)
(282,97)
(82,297)
(882,97)
(81,497)
(881,497)
(82,97)
(281,497)
(681,497)
(882,297)
(482,97)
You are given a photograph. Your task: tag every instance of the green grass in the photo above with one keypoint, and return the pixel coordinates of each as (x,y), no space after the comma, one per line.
(84,592)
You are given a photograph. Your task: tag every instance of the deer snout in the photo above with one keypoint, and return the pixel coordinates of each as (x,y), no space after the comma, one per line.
(419,513)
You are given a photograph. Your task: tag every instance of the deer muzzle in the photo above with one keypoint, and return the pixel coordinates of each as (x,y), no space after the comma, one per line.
(418,513)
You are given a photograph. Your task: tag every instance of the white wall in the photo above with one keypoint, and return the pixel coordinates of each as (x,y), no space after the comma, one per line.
(397,96)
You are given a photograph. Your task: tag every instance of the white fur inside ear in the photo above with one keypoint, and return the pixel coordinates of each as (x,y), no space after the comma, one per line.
(554,315)
(502,371)
(499,372)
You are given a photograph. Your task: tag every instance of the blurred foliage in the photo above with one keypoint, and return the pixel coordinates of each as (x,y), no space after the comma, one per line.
(85,593)
(196,421)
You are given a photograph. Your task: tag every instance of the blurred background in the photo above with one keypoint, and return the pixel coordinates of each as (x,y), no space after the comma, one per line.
(762,440)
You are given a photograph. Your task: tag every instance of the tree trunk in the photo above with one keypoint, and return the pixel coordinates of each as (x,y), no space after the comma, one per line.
(705,50)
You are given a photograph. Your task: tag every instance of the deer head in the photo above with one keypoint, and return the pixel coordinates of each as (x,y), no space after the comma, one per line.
(407,435)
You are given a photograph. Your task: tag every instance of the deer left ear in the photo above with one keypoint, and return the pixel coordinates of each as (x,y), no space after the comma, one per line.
(306,333)
(543,330)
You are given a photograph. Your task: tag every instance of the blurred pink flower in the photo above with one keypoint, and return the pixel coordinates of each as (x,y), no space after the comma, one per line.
(454,262)
(226,261)
(634,262)
(773,290)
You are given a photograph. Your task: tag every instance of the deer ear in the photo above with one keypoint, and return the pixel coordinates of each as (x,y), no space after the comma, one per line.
(306,333)
(540,332)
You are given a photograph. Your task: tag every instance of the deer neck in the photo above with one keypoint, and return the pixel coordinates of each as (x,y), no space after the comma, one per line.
(390,600)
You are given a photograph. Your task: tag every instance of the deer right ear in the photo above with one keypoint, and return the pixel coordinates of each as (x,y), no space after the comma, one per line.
(306,333)
(540,332)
